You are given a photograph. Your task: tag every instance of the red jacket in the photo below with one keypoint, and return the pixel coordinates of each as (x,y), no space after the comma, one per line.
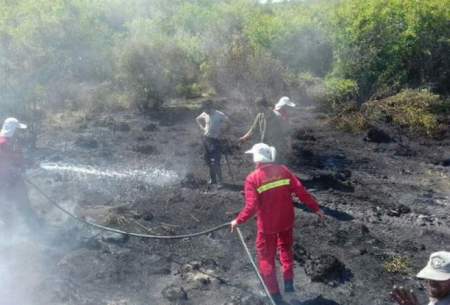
(268,194)
(11,162)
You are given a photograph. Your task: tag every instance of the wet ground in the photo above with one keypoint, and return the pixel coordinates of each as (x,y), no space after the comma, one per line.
(386,205)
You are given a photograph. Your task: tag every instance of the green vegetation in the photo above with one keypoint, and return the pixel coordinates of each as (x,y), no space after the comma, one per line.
(113,54)
(397,264)
(389,45)
(415,111)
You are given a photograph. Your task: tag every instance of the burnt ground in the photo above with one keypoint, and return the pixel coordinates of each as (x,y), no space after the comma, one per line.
(386,205)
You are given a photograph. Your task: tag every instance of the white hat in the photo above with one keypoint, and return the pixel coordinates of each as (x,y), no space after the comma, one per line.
(284,101)
(438,267)
(9,127)
(262,153)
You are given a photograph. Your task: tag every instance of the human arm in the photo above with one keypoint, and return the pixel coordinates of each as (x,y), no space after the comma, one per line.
(305,197)
(403,296)
(227,125)
(251,204)
(201,121)
(252,129)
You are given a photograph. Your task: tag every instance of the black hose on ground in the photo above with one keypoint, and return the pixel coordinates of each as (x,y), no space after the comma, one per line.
(105,228)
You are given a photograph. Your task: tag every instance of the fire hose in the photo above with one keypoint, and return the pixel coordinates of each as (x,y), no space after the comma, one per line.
(182,236)
(105,228)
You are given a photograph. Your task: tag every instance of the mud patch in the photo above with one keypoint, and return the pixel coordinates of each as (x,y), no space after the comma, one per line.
(327,181)
(150,127)
(326,268)
(317,301)
(378,136)
(192,182)
(145,149)
(174,293)
(86,142)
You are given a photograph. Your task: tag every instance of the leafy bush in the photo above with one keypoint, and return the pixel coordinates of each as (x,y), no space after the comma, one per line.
(244,72)
(334,52)
(383,44)
(188,90)
(397,264)
(339,94)
(305,49)
(418,111)
(351,120)
(152,72)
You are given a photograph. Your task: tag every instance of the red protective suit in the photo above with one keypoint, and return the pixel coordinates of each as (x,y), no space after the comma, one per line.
(268,195)
(13,191)
(11,162)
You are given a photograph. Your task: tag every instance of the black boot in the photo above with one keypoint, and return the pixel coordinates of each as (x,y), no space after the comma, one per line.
(289,286)
(212,172)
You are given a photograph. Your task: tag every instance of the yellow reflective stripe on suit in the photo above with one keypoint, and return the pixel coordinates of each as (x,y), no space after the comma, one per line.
(272,185)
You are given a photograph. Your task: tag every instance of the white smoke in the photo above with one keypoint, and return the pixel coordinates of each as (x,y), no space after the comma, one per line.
(21,268)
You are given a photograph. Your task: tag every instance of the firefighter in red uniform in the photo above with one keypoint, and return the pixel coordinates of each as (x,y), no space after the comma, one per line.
(13,191)
(268,195)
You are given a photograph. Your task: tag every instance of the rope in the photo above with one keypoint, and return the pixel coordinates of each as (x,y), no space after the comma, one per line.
(105,228)
(249,255)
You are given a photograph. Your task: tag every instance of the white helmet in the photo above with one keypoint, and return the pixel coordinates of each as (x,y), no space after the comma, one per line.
(284,101)
(262,153)
(9,127)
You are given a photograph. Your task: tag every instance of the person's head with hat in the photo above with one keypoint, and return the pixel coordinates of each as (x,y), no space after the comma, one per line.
(437,282)
(262,153)
(10,125)
(208,106)
(282,105)
(437,275)
(262,105)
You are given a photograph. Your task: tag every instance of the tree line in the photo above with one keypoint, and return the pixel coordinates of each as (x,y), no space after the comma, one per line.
(83,54)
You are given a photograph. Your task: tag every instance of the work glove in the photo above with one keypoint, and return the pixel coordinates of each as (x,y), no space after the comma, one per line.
(233,225)
(321,215)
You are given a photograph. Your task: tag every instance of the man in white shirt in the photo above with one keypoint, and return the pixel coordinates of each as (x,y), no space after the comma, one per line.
(437,282)
(214,124)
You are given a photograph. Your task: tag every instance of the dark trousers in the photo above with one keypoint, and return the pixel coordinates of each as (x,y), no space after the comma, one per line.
(213,156)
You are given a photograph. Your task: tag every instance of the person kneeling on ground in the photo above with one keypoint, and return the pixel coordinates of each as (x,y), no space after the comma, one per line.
(268,195)
(437,282)
(214,124)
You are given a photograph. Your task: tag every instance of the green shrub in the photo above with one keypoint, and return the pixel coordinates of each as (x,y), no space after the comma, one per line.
(418,111)
(188,90)
(304,49)
(388,44)
(339,94)
(397,264)
(152,73)
(352,121)
(245,72)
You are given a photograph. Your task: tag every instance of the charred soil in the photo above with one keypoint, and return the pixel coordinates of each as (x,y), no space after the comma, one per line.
(386,204)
